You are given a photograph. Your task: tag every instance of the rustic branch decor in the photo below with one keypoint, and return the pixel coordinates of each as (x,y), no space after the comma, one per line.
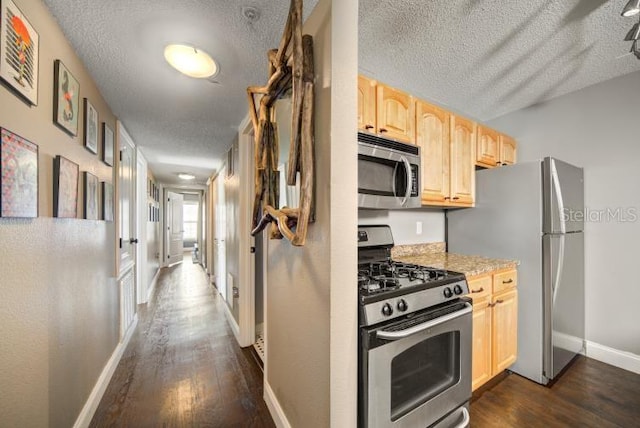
(290,68)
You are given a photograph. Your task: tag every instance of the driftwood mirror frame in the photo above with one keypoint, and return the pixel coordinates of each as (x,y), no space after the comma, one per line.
(290,69)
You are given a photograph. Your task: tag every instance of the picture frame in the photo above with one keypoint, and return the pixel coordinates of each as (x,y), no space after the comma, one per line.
(66,99)
(18,176)
(107,201)
(65,188)
(19,52)
(107,144)
(90,127)
(90,196)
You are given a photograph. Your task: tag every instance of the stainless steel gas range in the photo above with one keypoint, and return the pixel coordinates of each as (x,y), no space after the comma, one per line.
(414,341)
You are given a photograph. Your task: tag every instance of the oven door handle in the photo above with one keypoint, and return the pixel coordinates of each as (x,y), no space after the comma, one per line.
(395,335)
(465,419)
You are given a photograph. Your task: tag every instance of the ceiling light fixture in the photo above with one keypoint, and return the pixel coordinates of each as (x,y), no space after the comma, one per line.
(186,176)
(191,61)
(632,8)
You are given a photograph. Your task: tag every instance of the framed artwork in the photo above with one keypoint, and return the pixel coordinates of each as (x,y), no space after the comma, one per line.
(65,188)
(19,50)
(107,201)
(90,196)
(18,176)
(66,98)
(90,127)
(107,144)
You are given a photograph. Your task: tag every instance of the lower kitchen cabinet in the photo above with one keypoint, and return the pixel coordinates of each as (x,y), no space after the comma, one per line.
(495,324)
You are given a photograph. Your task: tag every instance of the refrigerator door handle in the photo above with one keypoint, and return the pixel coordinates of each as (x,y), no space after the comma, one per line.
(560,264)
(560,201)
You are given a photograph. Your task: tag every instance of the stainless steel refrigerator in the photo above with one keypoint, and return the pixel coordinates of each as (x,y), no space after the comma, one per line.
(533,212)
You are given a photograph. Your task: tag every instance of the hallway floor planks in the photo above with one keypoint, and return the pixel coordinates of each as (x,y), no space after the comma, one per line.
(588,394)
(183,366)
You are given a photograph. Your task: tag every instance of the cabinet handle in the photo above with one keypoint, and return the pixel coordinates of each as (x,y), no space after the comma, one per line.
(504,164)
(491,305)
(455,198)
(480,290)
(446,198)
(382,130)
(509,281)
(368,127)
(498,301)
(498,163)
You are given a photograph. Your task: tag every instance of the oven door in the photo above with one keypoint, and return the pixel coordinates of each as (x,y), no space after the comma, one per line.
(419,369)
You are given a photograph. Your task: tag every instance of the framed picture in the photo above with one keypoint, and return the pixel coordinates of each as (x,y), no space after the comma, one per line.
(90,196)
(107,144)
(19,50)
(90,127)
(18,176)
(107,201)
(65,188)
(66,99)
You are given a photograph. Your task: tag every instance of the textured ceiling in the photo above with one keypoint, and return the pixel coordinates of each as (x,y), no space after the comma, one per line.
(486,58)
(180,124)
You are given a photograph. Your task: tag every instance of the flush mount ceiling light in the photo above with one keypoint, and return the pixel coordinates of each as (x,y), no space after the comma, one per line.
(191,61)
(632,8)
(186,176)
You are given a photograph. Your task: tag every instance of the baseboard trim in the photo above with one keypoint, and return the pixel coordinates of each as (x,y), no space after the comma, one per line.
(279,418)
(154,282)
(614,357)
(232,321)
(86,414)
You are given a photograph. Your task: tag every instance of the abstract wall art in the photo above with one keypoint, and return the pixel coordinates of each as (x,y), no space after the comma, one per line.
(18,176)
(66,99)
(65,188)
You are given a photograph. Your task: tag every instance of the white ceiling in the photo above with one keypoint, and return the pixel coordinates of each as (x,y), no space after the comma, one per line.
(480,57)
(180,124)
(486,58)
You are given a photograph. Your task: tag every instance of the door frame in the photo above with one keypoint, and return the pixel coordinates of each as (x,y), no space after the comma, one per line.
(164,189)
(142,285)
(125,263)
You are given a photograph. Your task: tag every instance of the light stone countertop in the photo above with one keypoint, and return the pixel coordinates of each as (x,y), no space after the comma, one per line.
(427,255)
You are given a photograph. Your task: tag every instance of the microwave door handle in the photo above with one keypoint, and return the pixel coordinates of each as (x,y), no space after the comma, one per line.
(393,181)
(407,167)
(395,335)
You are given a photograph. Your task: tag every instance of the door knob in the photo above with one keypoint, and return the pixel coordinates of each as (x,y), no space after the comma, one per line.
(133,240)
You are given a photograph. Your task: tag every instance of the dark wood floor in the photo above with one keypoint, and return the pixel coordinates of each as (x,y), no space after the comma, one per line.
(588,394)
(183,367)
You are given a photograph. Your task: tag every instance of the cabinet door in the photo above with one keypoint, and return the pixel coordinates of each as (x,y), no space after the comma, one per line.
(463,151)
(507,150)
(488,149)
(504,281)
(432,125)
(481,360)
(396,114)
(366,104)
(504,330)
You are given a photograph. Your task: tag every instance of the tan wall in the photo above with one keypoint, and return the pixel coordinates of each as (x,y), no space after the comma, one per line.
(59,305)
(311,310)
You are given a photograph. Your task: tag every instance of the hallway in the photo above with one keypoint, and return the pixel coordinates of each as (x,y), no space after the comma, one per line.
(183,366)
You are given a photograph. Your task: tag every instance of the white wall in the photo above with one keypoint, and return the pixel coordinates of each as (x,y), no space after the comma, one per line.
(403,224)
(597,128)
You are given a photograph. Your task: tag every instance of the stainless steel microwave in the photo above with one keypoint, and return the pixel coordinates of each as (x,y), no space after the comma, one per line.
(388,173)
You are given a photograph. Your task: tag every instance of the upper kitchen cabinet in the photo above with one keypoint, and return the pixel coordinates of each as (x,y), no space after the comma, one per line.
(488,149)
(463,156)
(433,137)
(494,149)
(507,150)
(366,104)
(395,114)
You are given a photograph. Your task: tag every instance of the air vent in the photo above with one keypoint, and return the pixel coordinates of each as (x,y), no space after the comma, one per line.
(389,144)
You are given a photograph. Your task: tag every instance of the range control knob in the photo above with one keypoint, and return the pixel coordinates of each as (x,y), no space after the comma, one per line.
(448,293)
(387,310)
(402,305)
(457,289)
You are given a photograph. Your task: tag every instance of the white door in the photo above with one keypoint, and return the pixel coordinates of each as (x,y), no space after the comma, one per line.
(175,232)
(141,227)
(127,222)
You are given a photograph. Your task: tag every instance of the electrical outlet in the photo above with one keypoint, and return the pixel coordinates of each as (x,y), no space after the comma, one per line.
(418,228)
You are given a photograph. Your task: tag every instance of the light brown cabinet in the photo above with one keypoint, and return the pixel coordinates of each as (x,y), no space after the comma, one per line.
(395,114)
(495,324)
(463,153)
(494,149)
(432,135)
(366,104)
